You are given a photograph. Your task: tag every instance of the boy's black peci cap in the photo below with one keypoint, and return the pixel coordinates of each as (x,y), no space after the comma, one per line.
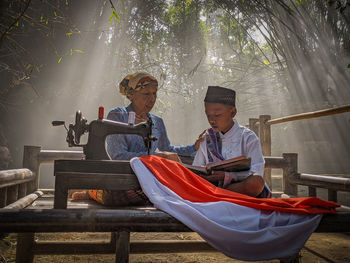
(217,94)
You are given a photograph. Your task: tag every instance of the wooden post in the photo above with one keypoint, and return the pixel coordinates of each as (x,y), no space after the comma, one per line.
(290,171)
(122,247)
(254,126)
(31,161)
(24,251)
(312,191)
(3,196)
(12,194)
(332,195)
(265,140)
(61,192)
(22,190)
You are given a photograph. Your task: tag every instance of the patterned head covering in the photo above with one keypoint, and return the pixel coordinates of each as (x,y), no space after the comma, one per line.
(216,94)
(136,81)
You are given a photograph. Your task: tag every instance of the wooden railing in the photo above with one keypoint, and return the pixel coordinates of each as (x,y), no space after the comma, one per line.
(17,184)
(262,128)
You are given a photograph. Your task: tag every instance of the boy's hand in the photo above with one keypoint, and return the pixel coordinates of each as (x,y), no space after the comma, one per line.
(215,176)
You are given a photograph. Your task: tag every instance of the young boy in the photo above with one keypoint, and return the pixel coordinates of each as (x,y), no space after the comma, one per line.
(227,139)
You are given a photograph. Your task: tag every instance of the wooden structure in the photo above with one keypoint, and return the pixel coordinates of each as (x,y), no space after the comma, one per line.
(120,222)
(334,183)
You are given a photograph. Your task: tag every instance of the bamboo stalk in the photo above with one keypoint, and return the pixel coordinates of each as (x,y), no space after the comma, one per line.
(310,115)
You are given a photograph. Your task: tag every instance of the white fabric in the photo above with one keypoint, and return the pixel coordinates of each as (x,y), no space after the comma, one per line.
(239,232)
(237,141)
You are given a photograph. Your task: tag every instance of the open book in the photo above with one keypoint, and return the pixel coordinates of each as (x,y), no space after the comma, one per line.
(237,164)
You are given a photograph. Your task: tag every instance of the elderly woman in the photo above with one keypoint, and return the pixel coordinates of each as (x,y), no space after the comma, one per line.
(141,89)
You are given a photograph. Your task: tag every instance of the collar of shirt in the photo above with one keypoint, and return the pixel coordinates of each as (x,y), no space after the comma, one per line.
(231,132)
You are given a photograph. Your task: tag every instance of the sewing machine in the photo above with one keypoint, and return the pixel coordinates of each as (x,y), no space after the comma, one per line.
(98,130)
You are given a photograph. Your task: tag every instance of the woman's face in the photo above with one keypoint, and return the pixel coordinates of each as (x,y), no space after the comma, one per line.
(143,100)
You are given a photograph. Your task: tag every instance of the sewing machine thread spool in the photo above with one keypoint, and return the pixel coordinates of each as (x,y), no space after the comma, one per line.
(101,113)
(131,119)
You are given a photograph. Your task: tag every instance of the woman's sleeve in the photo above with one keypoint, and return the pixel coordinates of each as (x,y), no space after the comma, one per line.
(117,148)
(117,144)
(165,145)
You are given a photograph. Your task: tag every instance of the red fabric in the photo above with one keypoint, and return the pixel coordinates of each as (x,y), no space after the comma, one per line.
(193,188)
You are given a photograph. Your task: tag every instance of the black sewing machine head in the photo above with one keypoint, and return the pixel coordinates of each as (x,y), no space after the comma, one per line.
(98,130)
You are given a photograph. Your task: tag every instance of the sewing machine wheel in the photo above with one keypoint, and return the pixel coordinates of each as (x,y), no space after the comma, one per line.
(79,127)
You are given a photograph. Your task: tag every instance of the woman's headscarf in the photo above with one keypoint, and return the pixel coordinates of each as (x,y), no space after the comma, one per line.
(136,81)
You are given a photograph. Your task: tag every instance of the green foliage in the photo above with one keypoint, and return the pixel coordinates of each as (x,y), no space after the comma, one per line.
(114,14)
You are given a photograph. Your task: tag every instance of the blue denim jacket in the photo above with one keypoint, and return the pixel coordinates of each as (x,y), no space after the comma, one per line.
(127,146)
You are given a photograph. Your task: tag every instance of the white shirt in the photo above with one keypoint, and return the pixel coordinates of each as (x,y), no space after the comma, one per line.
(239,140)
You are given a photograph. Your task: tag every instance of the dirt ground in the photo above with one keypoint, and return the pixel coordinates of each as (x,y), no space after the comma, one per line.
(319,248)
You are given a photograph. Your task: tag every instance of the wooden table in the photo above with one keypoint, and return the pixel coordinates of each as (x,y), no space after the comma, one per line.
(91,174)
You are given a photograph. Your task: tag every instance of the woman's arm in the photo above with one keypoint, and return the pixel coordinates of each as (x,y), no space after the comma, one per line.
(165,145)
(118,144)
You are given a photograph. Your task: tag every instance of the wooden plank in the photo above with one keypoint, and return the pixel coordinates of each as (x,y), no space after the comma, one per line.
(72,247)
(275,162)
(100,166)
(49,156)
(136,247)
(320,184)
(145,219)
(31,161)
(25,201)
(7,176)
(142,219)
(309,115)
(108,181)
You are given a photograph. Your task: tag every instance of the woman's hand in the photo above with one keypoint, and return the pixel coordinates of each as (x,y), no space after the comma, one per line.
(199,140)
(170,156)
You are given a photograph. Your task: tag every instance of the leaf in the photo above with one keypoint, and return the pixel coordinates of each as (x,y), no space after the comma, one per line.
(349,66)
(55,14)
(80,51)
(41,19)
(28,66)
(69,34)
(59,60)
(266,62)
(47,21)
(114,14)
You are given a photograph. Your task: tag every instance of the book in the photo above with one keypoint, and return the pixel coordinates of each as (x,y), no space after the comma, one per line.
(237,164)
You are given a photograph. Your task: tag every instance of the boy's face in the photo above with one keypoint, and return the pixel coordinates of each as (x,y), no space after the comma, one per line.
(220,116)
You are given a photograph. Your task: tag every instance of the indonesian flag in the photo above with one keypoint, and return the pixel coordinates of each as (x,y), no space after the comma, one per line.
(240,226)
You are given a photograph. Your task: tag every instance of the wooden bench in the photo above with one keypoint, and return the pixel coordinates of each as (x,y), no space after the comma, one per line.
(120,222)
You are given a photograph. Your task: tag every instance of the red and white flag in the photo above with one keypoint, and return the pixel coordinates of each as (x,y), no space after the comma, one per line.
(240,226)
